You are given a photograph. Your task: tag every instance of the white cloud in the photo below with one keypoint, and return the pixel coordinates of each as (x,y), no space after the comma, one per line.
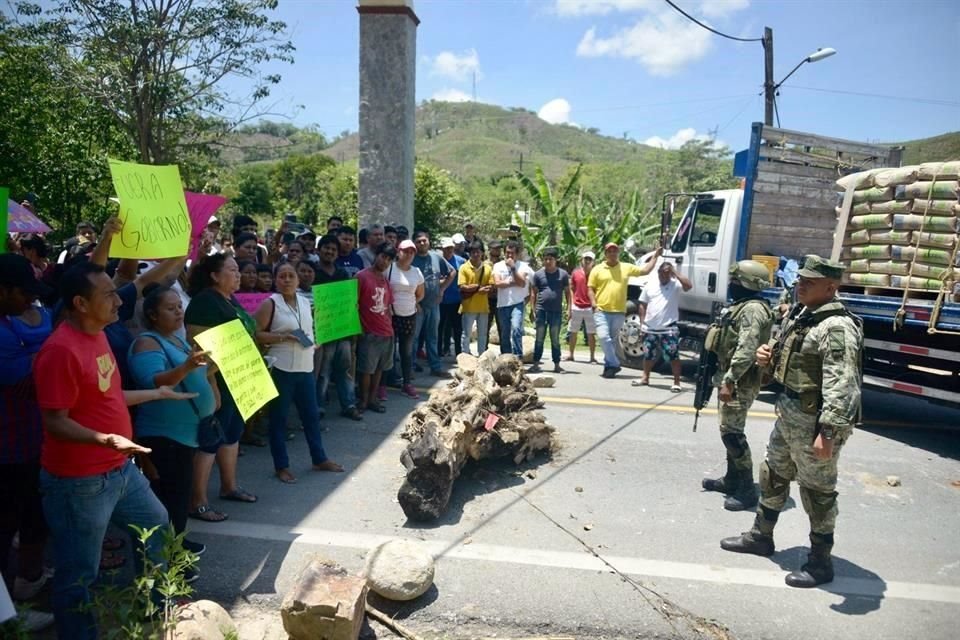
(721,8)
(679,139)
(601,7)
(451,95)
(663,43)
(557,111)
(707,8)
(661,40)
(456,67)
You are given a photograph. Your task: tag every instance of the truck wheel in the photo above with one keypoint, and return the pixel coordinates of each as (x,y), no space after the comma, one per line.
(631,342)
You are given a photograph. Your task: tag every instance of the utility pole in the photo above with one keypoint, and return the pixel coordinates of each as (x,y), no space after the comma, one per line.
(475,94)
(768,86)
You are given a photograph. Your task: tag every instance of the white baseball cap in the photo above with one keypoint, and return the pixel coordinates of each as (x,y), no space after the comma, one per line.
(447,242)
(458,238)
(588,254)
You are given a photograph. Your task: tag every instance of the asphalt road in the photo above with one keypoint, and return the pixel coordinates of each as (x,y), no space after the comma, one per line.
(612,537)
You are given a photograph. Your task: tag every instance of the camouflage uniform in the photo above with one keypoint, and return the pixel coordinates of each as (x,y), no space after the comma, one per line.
(836,342)
(817,359)
(734,338)
(752,325)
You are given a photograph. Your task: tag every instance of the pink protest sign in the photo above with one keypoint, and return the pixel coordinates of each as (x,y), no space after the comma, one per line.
(250,301)
(20,220)
(200,206)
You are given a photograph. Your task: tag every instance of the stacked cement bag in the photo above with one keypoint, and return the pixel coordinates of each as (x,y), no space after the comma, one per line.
(904,226)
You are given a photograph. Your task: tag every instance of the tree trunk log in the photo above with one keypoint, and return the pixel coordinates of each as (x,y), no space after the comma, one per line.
(450,429)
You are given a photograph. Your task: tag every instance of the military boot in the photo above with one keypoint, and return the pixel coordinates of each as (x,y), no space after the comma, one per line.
(759,540)
(744,496)
(726,484)
(819,566)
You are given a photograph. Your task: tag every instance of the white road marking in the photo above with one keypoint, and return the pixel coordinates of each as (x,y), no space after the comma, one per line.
(582,561)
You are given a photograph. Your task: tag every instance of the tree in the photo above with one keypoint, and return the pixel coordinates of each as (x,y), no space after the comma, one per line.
(158,66)
(255,194)
(54,142)
(438,200)
(296,185)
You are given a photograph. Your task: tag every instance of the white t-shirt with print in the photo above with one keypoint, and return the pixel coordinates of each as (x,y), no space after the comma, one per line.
(663,305)
(404,285)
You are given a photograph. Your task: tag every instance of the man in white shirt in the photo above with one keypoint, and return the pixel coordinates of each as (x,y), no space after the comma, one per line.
(511,277)
(659,313)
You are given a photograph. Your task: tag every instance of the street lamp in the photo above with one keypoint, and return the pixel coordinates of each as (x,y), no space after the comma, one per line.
(769,86)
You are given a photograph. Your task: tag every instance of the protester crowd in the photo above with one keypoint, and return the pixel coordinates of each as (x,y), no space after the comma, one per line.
(132,416)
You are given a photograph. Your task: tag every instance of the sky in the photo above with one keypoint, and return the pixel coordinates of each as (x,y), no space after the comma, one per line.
(637,68)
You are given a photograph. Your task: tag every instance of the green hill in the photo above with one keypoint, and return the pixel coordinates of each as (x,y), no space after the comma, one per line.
(474,140)
(942,147)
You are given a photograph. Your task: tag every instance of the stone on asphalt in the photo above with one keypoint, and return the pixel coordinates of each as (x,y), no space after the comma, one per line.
(543,382)
(893,481)
(399,570)
(325,603)
(202,620)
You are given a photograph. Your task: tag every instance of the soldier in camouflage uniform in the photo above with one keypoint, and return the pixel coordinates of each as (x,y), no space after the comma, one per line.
(735,338)
(817,360)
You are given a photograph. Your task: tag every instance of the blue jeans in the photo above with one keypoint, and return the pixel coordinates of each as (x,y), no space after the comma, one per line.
(511,319)
(335,366)
(608,335)
(553,320)
(428,327)
(78,511)
(481,320)
(301,389)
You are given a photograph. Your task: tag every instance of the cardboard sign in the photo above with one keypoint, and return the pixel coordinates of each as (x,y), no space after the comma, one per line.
(250,301)
(336,311)
(201,207)
(153,211)
(241,366)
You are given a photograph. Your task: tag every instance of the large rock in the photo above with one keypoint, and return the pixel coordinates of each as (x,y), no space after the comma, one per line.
(203,620)
(325,603)
(399,570)
(543,382)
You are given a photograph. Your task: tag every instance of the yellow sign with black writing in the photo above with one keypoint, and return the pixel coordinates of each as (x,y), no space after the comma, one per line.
(240,364)
(153,211)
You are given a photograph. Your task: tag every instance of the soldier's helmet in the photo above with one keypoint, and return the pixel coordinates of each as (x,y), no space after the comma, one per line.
(751,275)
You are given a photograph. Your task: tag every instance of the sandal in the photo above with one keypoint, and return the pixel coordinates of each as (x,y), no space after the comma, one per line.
(111,543)
(353,413)
(239,495)
(377,408)
(110,561)
(208,514)
(640,383)
(284,476)
(676,388)
(328,465)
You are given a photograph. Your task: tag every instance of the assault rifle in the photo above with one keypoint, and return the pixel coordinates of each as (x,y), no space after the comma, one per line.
(706,368)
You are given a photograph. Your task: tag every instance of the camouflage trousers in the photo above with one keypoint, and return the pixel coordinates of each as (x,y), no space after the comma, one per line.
(790,457)
(733,419)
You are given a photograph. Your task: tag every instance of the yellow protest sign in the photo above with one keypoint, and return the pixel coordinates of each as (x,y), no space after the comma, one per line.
(240,364)
(153,210)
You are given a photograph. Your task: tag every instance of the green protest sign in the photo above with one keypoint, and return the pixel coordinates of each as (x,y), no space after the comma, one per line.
(4,196)
(153,210)
(336,313)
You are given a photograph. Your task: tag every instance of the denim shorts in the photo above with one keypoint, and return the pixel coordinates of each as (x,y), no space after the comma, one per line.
(374,353)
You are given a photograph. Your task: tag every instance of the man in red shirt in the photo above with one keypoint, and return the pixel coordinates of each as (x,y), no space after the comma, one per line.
(581,309)
(87,478)
(375,351)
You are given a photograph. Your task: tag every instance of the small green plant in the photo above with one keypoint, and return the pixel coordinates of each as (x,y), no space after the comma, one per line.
(146,608)
(14,629)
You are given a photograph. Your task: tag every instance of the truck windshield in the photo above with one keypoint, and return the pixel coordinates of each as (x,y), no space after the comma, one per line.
(699,226)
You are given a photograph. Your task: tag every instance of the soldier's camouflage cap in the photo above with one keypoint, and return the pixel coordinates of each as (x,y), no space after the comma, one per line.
(816,267)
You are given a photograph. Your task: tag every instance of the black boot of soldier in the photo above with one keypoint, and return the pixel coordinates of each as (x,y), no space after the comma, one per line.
(726,484)
(744,496)
(759,540)
(819,567)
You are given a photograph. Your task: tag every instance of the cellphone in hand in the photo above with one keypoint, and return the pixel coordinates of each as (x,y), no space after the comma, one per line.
(302,338)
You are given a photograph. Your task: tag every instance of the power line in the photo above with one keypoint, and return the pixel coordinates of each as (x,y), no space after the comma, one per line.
(933,101)
(709,28)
